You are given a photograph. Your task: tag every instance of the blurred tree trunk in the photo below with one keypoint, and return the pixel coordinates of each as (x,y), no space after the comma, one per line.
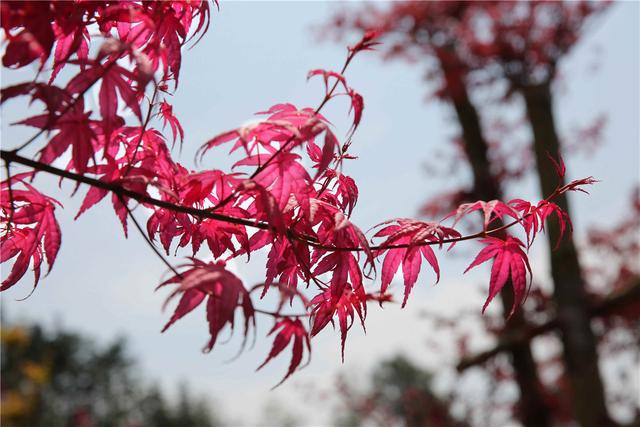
(533,409)
(579,343)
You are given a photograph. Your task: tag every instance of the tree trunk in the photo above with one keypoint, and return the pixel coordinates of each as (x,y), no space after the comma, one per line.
(579,343)
(532,407)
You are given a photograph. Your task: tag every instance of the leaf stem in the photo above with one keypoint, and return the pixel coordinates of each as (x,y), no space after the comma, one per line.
(146,239)
(278,314)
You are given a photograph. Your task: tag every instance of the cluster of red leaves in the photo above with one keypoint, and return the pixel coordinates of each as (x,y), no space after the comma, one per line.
(269,200)
(32,232)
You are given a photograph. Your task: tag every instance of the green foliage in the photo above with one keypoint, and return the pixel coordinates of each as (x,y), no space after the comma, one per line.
(63,379)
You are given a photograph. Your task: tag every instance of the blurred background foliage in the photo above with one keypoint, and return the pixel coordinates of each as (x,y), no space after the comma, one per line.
(63,379)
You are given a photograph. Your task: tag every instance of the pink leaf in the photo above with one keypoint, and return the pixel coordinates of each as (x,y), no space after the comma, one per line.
(509,263)
(289,329)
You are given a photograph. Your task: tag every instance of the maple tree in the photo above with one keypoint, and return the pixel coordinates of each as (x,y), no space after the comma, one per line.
(514,49)
(318,259)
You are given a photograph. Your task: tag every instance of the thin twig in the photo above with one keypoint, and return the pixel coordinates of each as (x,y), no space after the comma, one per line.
(262,166)
(11,200)
(143,130)
(146,239)
(278,314)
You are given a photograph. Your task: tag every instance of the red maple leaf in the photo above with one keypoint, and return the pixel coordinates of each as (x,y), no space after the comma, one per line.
(166,112)
(491,210)
(325,306)
(289,329)
(410,233)
(74,130)
(510,262)
(534,216)
(32,232)
(222,289)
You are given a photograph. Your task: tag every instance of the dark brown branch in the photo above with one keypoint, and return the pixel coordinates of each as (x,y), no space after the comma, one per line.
(278,314)
(12,208)
(607,307)
(13,157)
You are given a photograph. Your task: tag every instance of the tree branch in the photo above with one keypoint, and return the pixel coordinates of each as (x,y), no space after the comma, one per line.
(607,307)
(14,157)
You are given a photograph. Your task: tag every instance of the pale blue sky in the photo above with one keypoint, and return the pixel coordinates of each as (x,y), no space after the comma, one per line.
(256,55)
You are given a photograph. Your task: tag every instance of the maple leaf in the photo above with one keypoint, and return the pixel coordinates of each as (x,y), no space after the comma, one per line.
(357,106)
(160,29)
(558,165)
(328,149)
(74,130)
(494,209)
(212,185)
(410,233)
(510,262)
(115,80)
(335,228)
(327,76)
(120,173)
(367,42)
(54,98)
(284,261)
(263,205)
(577,184)
(325,306)
(286,296)
(289,329)
(149,149)
(169,225)
(219,236)
(69,41)
(357,102)
(285,177)
(380,297)
(35,38)
(285,129)
(343,191)
(166,112)
(222,289)
(534,216)
(345,272)
(33,233)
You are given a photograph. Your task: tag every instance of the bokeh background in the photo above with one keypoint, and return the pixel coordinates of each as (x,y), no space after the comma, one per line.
(257,54)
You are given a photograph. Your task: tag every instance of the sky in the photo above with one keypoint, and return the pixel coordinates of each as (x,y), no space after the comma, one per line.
(257,54)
